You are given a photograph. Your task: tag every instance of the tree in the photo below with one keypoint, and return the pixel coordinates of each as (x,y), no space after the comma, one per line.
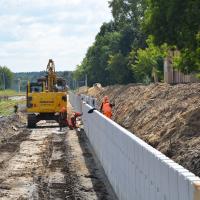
(117,66)
(6,77)
(128,12)
(106,60)
(128,16)
(147,64)
(95,63)
(177,23)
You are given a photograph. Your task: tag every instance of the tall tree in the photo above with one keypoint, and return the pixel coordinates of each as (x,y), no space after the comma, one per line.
(95,63)
(128,12)
(176,22)
(106,60)
(6,77)
(147,64)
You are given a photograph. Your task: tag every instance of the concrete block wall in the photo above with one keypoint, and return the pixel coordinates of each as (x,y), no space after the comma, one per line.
(75,101)
(136,170)
(89,100)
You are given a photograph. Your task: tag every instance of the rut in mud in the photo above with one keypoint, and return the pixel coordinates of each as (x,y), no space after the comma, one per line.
(45,163)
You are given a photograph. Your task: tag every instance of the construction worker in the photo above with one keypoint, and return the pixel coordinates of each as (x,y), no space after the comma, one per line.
(16,108)
(62,117)
(72,121)
(106,107)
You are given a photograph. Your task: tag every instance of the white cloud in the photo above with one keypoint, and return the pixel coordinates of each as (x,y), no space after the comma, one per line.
(32,31)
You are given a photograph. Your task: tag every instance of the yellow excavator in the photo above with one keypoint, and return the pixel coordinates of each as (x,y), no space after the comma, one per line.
(46,97)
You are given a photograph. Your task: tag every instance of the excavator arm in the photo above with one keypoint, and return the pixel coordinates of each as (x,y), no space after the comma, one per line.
(51,75)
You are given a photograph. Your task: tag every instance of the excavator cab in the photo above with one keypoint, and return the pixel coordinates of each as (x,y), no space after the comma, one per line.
(36,87)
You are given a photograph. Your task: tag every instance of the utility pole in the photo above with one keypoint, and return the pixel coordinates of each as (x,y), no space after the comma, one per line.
(4,81)
(19,85)
(86,81)
(74,83)
(77,85)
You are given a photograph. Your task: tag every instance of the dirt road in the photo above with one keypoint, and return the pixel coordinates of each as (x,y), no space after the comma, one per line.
(45,163)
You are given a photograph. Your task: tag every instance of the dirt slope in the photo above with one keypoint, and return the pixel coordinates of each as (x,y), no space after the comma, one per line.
(167,117)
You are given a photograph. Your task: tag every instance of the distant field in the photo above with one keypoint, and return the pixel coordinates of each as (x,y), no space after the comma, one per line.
(7,107)
(10,93)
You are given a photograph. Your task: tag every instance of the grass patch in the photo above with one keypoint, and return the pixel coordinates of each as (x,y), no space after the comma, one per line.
(7,107)
(10,93)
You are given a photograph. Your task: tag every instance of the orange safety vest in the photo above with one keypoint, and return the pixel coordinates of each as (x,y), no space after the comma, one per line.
(107,110)
(63,109)
(63,113)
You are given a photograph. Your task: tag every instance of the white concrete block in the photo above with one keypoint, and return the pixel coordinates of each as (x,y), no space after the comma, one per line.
(136,170)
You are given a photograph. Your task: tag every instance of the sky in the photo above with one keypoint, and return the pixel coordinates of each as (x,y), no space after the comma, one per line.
(33,31)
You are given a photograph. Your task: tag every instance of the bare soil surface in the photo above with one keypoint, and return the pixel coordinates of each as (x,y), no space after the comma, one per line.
(165,116)
(11,127)
(45,163)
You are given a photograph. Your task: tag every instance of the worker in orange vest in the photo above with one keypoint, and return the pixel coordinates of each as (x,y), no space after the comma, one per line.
(72,121)
(63,121)
(62,117)
(106,107)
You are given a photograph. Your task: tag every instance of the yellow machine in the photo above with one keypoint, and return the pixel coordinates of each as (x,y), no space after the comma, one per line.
(46,97)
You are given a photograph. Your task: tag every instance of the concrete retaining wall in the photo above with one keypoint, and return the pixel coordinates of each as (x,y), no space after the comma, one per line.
(75,101)
(136,170)
(89,100)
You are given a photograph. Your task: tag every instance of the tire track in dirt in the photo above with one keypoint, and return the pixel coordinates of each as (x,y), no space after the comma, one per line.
(44,163)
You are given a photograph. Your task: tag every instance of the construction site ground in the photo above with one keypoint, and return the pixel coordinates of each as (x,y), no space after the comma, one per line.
(46,163)
(165,116)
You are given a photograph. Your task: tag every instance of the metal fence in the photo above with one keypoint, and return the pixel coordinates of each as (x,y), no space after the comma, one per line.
(173,76)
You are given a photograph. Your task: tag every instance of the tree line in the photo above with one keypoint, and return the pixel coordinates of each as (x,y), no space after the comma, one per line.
(132,47)
(10,80)
(24,77)
(6,77)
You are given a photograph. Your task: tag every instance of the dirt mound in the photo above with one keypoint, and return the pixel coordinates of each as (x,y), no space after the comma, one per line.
(92,91)
(10,126)
(82,90)
(167,117)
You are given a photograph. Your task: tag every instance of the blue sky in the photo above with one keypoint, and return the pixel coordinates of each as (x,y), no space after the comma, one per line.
(32,31)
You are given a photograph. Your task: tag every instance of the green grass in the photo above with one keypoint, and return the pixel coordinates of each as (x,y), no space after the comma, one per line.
(7,107)
(10,93)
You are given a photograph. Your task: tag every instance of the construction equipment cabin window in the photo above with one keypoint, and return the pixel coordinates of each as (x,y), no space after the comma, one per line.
(35,87)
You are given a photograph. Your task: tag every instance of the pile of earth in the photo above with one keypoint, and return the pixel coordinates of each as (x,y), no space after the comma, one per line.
(82,90)
(10,126)
(165,116)
(92,91)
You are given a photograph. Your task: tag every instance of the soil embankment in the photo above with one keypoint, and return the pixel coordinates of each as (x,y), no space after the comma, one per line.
(167,117)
